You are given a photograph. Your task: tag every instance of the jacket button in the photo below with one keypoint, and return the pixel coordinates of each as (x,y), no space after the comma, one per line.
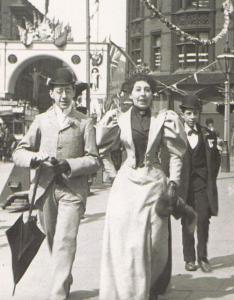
(60,147)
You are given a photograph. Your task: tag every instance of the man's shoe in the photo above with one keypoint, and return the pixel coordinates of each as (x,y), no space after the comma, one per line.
(190,266)
(205,266)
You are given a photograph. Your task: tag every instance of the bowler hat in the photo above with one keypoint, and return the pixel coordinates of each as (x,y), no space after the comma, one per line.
(62,76)
(191,101)
(209,121)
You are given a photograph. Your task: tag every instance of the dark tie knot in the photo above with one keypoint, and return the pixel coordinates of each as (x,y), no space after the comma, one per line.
(192,131)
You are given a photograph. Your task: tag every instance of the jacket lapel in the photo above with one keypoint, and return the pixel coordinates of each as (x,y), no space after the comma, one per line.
(156,123)
(70,121)
(127,127)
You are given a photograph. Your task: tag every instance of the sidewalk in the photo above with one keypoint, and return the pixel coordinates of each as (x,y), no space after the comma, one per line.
(184,285)
(220,283)
(35,283)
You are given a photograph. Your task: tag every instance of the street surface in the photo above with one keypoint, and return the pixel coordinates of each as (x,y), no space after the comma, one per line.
(219,284)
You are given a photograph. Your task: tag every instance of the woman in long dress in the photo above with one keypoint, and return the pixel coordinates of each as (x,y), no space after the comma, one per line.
(136,258)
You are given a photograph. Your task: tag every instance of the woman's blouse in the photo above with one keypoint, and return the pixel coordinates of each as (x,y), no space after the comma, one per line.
(165,135)
(140,121)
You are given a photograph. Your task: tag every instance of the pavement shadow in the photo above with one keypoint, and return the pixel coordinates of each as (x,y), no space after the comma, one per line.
(222,262)
(203,287)
(92,218)
(81,295)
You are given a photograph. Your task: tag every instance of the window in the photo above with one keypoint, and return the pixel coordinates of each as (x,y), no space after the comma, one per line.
(135,9)
(156,52)
(136,52)
(198,3)
(180,4)
(193,4)
(191,55)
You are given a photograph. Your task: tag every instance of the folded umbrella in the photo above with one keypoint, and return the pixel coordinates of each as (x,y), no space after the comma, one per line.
(25,239)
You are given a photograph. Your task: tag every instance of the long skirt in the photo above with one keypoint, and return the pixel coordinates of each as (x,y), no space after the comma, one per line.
(136,258)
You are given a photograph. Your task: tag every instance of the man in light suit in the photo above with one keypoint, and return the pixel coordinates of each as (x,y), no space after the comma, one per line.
(66,138)
(198,183)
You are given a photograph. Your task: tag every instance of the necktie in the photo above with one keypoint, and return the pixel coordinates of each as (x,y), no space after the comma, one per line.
(192,131)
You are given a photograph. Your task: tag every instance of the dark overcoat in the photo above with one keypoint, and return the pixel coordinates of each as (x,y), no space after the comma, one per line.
(213,164)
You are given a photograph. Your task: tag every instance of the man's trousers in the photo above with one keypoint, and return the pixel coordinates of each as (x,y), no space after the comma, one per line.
(60,215)
(199,201)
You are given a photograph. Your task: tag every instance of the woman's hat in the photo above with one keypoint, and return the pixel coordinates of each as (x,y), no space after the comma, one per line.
(191,101)
(62,76)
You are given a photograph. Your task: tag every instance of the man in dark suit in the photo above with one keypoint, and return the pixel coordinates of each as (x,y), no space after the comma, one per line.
(198,183)
(66,138)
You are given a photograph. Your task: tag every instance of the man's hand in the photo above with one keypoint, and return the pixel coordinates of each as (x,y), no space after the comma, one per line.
(36,162)
(60,166)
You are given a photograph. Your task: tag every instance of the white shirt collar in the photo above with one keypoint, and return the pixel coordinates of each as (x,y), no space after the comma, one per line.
(188,128)
(64,112)
(192,138)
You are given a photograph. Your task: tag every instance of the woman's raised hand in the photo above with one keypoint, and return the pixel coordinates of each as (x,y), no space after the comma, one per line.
(111,116)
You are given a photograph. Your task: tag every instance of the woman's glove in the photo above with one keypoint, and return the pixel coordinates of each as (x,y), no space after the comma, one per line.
(110,117)
(172,194)
(167,201)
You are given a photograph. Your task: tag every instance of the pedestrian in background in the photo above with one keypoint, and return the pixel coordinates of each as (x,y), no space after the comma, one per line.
(66,138)
(136,256)
(8,144)
(214,133)
(198,183)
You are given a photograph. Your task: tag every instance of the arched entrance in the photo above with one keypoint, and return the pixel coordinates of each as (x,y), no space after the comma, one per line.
(15,57)
(18,65)
(31,84)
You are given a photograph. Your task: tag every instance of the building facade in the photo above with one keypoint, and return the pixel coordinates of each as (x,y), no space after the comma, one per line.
(11,13)
(173,58)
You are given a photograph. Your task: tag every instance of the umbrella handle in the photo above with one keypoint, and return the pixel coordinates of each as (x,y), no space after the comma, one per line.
(34,191)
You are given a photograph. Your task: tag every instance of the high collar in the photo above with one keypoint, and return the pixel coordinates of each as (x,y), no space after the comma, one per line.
(187,128)
(64,112)
(141,112)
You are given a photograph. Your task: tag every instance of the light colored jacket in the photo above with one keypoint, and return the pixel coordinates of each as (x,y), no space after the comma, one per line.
(166,134)
(75,142)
